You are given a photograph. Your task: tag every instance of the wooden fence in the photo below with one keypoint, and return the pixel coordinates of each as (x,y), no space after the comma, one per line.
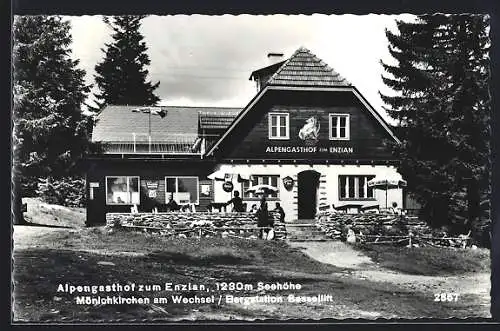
(419,240)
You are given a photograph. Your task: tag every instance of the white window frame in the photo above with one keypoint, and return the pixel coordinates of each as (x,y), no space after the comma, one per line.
(356,188)
(287,126)
(197,202)
(128,190)
(347,126)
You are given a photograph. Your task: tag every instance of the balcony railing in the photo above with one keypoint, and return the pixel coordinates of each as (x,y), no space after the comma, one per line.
(153,148)
(176,144)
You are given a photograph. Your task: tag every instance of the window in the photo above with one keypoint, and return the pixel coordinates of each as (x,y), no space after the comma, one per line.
(279,126)
(355,187)
(339,127)
(183,189)
(122,190)
(271,180)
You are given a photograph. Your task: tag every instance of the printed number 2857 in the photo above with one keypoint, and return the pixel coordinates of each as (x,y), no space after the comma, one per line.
(445,297)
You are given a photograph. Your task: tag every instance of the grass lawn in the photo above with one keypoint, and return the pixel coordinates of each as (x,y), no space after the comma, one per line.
(431,261)
(204,252)
(76,258)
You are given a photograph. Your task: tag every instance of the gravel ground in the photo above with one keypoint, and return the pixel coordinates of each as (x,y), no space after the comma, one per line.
(473,287)
(336,253)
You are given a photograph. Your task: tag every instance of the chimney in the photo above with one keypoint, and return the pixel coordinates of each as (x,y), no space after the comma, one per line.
(261,76)
(273,58)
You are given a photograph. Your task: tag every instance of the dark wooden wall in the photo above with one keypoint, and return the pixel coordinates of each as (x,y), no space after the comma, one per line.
(146,170)
(250,139)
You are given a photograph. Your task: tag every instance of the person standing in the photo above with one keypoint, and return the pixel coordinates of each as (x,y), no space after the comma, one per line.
(172,205)
(236,202)
(280,211)
(263,218)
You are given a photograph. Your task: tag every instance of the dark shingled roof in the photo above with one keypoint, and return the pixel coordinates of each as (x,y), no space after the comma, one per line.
(304,69)
(211,120)
(119,123)
(266,70)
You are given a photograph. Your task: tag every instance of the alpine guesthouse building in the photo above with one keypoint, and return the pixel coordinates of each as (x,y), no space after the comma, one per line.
(307,132)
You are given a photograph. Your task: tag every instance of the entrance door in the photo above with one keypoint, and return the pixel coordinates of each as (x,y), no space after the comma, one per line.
(308,182)
(96,204)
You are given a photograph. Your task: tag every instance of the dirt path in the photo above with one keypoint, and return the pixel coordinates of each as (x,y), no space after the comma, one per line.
(335,253)
(469,286)
(29,236)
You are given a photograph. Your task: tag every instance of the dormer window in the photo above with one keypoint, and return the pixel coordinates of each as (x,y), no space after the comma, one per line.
(339,127)
(279,126)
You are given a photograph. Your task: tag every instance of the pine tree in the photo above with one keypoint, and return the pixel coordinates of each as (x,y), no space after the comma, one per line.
(442,106)
(50,131)
(121,76)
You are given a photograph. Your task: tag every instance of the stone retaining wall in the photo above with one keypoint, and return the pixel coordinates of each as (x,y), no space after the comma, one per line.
(336,225)
(190,224)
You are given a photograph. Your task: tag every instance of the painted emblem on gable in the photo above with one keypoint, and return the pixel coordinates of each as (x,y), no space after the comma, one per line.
(310,131)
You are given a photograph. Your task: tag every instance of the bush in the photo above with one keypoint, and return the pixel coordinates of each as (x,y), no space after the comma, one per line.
(69,191)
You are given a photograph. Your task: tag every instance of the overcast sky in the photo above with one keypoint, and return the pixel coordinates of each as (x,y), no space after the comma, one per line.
(207,60)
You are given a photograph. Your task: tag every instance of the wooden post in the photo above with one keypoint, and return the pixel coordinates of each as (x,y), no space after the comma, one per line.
(133,133)
(149,129)
(386,189)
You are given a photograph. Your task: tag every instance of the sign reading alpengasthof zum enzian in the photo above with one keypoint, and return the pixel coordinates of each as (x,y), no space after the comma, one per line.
(309,133)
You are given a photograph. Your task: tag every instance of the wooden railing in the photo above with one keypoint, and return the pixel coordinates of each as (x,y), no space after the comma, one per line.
(416,240)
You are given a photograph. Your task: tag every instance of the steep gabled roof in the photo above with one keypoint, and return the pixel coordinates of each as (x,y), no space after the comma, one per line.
(120,123)
(304,69)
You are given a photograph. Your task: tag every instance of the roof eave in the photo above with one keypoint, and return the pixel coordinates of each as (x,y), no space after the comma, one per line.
(236,120)
(349,88)
(376,114)
(256,72)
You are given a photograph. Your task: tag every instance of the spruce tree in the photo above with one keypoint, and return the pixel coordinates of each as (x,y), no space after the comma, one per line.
(468,126)
(414,106)
(122,76)
(50,132)
(442,106)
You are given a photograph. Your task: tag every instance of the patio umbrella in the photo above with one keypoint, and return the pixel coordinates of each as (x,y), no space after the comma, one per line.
(222,175)
(217,175)
(386,184)
(262,189)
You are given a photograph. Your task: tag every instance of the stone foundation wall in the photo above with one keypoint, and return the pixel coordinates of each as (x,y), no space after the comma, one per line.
(189,224)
